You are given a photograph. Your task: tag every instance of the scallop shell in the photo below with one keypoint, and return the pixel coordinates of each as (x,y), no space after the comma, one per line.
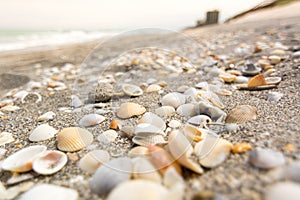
(50,192)
(73,139)
(21,161)
(42,132)
(108,136)
(50,163)
(138,151)
(137,189)
(129,109)
(165,111)
(242,113)
(163,160)
(109,175)
(93,160)
(186,110)
(153,88)
(145,129)
(214,113)
(143,169)
(181,150)
(173,99)
(6,138)
(149,140)
(91,120)
(46,116)
(132,90)
(154,120)
(200,120)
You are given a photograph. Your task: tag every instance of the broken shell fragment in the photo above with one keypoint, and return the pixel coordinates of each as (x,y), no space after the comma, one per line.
(200,120)
(129,109)
(165,111)
(138,151)
(132,90)
(143,169)
(50,163)
(146,129)
(149,140)
(107,136)
(46,116)
(241,147)
(42,132)
(213,112)
(93,160)
(91,120)
(73,139)
(242,113)
(6,138)
(173,99)
(154,120)
(187,110)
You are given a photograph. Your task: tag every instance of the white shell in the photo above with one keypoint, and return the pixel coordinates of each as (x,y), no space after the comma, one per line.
(46,116)
(21,161)
(146,129)
(39,97)
(91,120)
(153,88)
(10,108)
(153,119)
(200,120)
(173,99)
(92,160)
(6,138)
(49,163)
(132,90)
(187,110)
(107,136)
(193,133)
(42,132)
(214,113)
(149,140)
(143,169)
(50,192)
(174,123)
(138,151)
(165,111)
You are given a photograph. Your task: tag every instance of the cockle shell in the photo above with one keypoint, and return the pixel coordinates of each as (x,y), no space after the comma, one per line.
(49,163)
(109,175)
(91,120)
(181,150)
(73,139)
(186,110)
(165,111)
(146,129)
(137,189)
(6,138)
(92,160)
(22,160)
(200,120)
(42,132)
(143,169)
(129,109)
(153,119)
(149,140)
(50,192)
(46,116)
(173,99)
(132,90)
(242,113)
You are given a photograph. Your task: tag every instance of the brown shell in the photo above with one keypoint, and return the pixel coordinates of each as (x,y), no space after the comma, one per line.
(242,113)
(73,139)
(257,80)
(129,109)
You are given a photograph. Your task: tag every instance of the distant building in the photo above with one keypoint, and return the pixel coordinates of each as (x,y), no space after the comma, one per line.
(212,17)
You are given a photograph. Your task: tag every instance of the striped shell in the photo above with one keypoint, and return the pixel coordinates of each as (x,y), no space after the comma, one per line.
(242,113)
(149,140)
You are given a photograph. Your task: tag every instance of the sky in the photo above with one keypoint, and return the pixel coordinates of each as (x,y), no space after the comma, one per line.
(112,14)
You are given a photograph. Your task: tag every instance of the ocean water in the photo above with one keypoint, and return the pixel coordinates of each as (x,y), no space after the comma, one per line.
(23,39)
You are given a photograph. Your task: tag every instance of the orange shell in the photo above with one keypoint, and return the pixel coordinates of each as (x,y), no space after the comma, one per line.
(257,80)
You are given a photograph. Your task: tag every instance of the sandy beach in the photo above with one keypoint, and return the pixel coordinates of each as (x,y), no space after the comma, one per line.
(129,59)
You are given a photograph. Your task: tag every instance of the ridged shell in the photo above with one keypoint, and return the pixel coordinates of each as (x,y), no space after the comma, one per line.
(173,99)
(50,163)
(146,129)
(111,174)
(73,139)
(108,136)
(6,138)
(211,97)
(143,169)
(137,189)
(154,120)
(132,90)
(200,120)
(165,111)
(22,160)
(149,140)
(91,120)
(42,132)
(187,110)
(93,160)
(129,109)
(242,113)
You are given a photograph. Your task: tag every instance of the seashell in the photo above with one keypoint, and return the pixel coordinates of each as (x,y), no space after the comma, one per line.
(183,88)
(228,78)
(278,52)
(132,90)
(181,150)
(173,99)
(108,136)
(75,101)
(153,88)
(114,124)
(192,93)
(149,140)
(21,161)
(283,190)
(50,163)
(223,92)
(257,80)
(163,160)
(138,151)
(194,134)
(10,108)
(214,113)
(241,79)
(42,132)
(143,169)
(129,109)
(186,110)
(5,138)
(127,131)
(172,177)
(251,70)
(274,59)
(174,124)
(274,96)
(93,160)
(50,192)
(20,94)
(242,113)
(146,129)
(111,174)
(39,97)
(153,119)
(73,139)
(200,120)
(211,97)
(136,189)
(165,111)
(266,158)
(241,147)
(46,116)
(269,72)
(91,120)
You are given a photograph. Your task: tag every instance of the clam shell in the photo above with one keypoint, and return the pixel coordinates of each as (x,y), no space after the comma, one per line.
(194,134)
(129,109)
(91,120)
(50,163)
(132,90)
(50,192)
(214,113)
(165,111)
(242,113)
(181,150)
(46,116)
(211,97)
(153,88)
(42,132)
(108,136)
(137,189)
(200,120)
(109,175)
(138,151)
(149,140)
(6,138)
(73,139)
(173,99)
(21,161)
(258,80)
(93,160)
(143,169)
(146,129)
(186,110)
(174,124)
(154,120)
